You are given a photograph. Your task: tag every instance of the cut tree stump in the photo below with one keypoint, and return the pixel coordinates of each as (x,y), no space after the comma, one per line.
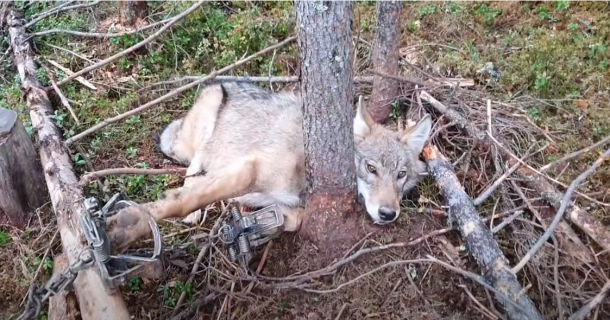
(22,185)
(67,198)
(479,240)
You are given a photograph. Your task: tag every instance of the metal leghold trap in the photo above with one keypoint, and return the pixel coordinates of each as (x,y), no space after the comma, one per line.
(242,233)
(113,268)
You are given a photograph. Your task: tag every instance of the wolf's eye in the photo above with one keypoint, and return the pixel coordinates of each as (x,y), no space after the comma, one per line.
(402,174)
(371,168)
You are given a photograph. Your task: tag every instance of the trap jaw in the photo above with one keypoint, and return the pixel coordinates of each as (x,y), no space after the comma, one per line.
(113,268)
(242,233)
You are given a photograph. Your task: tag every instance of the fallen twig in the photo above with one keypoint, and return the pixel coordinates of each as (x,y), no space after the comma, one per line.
(479,240)
(576,154)
(64,101)
(98,34)
(90,176)
(177,91)
(565,201)
(135,47)
(58,9)
(70,73)
(587,308)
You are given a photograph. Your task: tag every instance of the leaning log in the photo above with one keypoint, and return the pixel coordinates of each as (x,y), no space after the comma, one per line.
(66,197)
(22,187)
(479,239)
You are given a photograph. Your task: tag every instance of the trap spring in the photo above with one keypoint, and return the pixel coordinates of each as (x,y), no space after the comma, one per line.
(242,233)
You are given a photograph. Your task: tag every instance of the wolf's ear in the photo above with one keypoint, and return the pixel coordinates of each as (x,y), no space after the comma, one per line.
(363,123)
(416,136)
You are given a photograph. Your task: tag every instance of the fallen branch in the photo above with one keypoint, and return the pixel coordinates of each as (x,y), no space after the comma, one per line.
(91,176)
(64,101)
(479,240)
(98,34)
(535,179)
(290,79)
(135,47)
(576,154)
(565,201)
(587,308)
(69,72)
(66,197)
(175,92)
(58,9)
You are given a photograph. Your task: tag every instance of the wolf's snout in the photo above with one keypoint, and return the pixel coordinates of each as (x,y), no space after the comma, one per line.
(387,213)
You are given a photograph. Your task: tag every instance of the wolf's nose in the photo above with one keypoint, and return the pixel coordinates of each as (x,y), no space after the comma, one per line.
(387,214)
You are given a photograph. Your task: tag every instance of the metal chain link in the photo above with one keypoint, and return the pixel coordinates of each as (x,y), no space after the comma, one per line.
(58,283)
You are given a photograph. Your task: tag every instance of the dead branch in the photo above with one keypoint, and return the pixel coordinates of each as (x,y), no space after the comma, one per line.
(64,101)
(188,313)
(58,9)
(94,301)
(397,78)
(52,10)
(135,47)
(290,79)
(175,92)
(69,72)
(91,176)
(98,34)
(587,308)
(479,240)
(576,154)
(565,201)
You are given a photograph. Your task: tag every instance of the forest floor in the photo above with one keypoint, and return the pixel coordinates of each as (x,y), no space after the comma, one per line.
(543,65)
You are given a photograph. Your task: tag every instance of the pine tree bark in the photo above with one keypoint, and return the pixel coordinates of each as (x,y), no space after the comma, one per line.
(22,184)
(385,59)
(325,52)
(132,11)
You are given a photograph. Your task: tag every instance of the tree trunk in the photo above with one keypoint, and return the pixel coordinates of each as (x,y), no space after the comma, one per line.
(66,196)
(325,52)
(132,11)
(22,187)
(385,59)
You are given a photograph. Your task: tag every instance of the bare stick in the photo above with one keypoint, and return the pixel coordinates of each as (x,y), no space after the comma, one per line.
(506,221)
(489,117)
(576,154)
(64,101)
(565,201)
(100,35)
(397,78)
(53,10)
(587,308)
(58,9)
(479,240)
(70,73)
(290,79)
(150,104)
(134,47)
(90,176)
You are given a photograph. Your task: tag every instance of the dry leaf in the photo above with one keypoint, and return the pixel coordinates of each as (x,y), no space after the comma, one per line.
(582,104)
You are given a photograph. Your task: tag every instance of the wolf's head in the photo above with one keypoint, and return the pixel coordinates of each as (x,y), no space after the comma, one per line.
(387,163)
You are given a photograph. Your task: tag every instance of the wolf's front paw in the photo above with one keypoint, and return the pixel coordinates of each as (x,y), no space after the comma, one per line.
(193,217)
(128,226)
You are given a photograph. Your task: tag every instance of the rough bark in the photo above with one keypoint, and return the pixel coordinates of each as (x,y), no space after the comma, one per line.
(22,186)
(132,11)
(62,306)
(326,68)
(479,239)
(385,59)
(66,197)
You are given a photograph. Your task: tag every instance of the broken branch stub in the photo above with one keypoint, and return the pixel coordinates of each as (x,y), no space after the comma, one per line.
(66,197)
(479,239)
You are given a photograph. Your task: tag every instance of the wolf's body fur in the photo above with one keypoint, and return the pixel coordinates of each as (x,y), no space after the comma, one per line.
(249,143)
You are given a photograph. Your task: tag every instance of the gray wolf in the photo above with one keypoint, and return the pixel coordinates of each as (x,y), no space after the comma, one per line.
(237,127)
(248,143)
